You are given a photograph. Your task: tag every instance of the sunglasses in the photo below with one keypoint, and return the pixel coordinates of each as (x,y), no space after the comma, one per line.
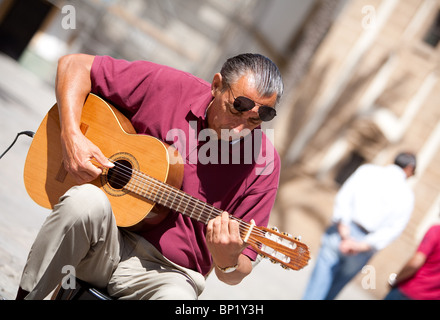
(243,104)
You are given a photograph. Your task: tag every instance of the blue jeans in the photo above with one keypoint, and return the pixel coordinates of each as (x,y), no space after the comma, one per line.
(333,270)
(396,294)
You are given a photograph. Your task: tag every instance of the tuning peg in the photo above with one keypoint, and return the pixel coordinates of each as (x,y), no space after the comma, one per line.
(298,238)
(287,234)
(273,261)
(275,229)
(285,267)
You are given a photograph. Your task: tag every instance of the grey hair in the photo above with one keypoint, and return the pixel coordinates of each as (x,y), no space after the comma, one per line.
(264,73)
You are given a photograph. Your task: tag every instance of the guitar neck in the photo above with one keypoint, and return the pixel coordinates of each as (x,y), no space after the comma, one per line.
(171,197)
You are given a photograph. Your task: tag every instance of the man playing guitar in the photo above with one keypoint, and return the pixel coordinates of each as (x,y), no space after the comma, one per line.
(171,259)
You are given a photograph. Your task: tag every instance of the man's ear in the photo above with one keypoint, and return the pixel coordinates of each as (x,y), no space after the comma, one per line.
(217,84)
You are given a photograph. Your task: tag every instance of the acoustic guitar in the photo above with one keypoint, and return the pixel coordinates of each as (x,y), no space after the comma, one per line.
(146,178)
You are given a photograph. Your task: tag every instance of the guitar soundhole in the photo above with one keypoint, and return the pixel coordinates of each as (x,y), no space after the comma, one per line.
(120,174)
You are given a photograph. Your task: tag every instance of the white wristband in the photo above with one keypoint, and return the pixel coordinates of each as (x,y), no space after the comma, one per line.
(228,269)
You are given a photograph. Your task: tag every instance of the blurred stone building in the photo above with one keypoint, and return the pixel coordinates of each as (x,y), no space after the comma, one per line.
(372,90)
(193,35)
(362,83)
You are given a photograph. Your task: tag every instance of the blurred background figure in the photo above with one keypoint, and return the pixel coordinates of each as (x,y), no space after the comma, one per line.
(371,210)
(419,279)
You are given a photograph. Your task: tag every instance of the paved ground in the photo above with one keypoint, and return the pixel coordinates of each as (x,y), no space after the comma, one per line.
(24,100)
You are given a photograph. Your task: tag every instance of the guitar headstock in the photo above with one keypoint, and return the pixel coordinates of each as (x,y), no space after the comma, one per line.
(280,248)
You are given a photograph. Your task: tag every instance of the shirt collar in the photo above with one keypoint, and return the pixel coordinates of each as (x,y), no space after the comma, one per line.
(199,106)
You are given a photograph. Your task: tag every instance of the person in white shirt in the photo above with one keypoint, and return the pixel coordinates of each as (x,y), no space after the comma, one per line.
(371,210)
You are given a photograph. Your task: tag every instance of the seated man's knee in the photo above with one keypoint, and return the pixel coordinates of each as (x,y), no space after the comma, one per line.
(84,202)
(180,290)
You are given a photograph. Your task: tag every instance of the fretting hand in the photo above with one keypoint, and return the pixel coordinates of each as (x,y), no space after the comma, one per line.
(225,244)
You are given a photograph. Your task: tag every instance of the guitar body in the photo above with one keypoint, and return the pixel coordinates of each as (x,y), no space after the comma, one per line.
(46,180)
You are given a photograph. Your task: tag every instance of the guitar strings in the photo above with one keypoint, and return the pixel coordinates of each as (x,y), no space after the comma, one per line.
(159,190)
(181,201)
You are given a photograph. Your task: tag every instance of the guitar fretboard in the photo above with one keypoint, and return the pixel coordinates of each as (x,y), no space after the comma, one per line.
(171,197)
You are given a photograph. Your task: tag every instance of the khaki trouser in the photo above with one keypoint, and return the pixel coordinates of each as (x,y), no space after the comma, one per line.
(81,233)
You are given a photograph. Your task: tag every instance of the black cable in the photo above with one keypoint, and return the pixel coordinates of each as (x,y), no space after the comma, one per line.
(28,133)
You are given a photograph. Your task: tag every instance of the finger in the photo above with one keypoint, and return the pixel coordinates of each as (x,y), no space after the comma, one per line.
(99,156)
(217,228)
(87,173)
(234,229)
(209,230)
(92,170)
(225,223)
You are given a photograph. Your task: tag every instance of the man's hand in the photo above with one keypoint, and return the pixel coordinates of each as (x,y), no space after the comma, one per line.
(348,245)
(224,241)
(351,247)
(82,159)
(344,231)
(225,244)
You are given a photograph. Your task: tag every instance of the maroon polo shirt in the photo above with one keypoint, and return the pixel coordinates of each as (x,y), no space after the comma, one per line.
(425,283)
(171,105)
